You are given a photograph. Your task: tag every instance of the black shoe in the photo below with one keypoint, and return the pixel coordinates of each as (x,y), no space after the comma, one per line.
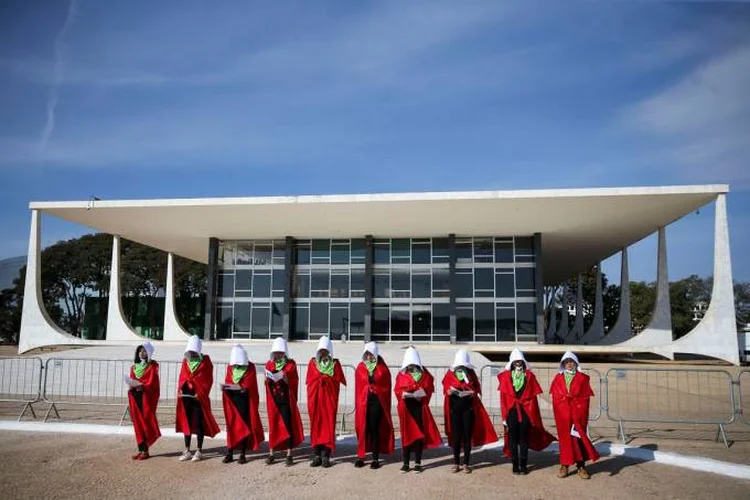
(227,459)
(405,468)
(516,469)
(270,459)
(242,459)
(522,467)
(289,461)
(417,468)
(326,463)
(359,463)
(375,464)
(316,462)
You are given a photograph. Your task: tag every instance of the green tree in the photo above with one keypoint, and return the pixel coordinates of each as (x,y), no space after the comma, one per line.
(642,300)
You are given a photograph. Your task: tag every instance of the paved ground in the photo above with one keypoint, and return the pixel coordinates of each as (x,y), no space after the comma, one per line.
(67,466)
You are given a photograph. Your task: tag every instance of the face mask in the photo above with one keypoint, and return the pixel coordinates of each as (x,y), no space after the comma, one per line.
(416,375)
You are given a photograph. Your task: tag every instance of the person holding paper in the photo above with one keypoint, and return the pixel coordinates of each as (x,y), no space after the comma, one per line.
(193,406)
(519,404)
(372,407)
(466,421)
(324,380)
(240,400)
(571,395)
(282,385)
(414,388)
(143,398)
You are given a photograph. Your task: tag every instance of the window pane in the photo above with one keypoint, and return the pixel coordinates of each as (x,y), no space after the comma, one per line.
(277,318)
(506,325)
(318,318)
(278,279)
(464,324)
(244,253)
(340,254)
(463,251)
(226,285)
(319,279)
(504,286)
(421,286)
(401,249)
(301,285)
(483,247)
(484,279)
(262,284)
(464,285)
(381,317)
(339,322)
(358,279)
(400,323)
(400,279)
(441,320)
(357,320)
(263,255)
(524,246)
(243,279)
(260,322)
(358,251)
(279,251)
(504,252)
(242,317)
(321,250)
(340,285)
(299,316)
(441,279)
(421,324)
(485,320)
(302,255)
(382,253)
(440,250)
(525,278)
(526,318)
(225,316)
(420,254)
(382,285)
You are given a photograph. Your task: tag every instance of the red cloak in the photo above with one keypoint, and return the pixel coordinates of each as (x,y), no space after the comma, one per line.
(237,428)
(483,433)
(199,381)
(410,431)
(278,434)
(538,438)
(323,403)
(381,387)
(145,424)
(572,408)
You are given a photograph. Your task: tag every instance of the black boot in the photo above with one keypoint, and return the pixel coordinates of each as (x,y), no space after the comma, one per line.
(229,457)
(242,459)
(516,469)
(522,466)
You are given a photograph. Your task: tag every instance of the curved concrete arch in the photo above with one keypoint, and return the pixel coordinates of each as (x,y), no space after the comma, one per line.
(118,329)
(621,330)
(37,328)
(596,330)
(173,330)
(716,334)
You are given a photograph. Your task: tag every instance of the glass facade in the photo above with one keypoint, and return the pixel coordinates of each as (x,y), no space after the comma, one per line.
(411,286)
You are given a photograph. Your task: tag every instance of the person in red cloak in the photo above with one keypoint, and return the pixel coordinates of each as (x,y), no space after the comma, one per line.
(372,407)
(519,391)
(571,395)
(240,400)
(466,421)
(193,406)
(282,385)
(143,399)
(414,388)
(324,380)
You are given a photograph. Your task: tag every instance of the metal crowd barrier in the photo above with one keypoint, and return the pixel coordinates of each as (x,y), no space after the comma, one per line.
(670,395)
(743,396)
(21,382)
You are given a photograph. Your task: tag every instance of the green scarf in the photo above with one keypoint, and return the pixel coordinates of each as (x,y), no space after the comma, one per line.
(461,375)
(139,368)
(195,362)
(568,378)
(371,366)
(518,379)
(417,376)
(325,367)
(280,364)
(238,372)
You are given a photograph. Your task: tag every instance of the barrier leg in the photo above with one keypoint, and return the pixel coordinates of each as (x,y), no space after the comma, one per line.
(621,432)
(720,432)
(27,406)
(52,406)
(124,413)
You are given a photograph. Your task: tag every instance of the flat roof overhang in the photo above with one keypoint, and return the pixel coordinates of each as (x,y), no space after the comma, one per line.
(579,227)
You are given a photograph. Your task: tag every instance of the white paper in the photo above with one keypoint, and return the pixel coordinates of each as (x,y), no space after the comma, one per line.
(419,394)
(574,432)
(188,396)
(230,387)
(464,394)
(274,376)
(130,382)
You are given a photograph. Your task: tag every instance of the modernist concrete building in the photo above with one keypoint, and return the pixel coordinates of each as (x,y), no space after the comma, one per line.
(454,267)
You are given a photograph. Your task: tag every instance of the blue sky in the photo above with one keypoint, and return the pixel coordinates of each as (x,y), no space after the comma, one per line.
(182,99)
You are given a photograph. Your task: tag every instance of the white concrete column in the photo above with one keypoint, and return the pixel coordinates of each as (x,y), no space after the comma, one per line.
(37,328)
(596,330)
(173,331)
(118,330)
(552,327)
(716,334)
(621,330)
(564,316)
(578,329)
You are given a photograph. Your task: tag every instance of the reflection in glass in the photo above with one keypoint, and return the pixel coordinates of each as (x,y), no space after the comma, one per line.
(319,280)
(299,315)
(526,320)
(318,318)
(504,285)
(358,251)
(484,278)
(484,318)
(420,253)
(464,324)
(261,316)
(506,325)
(357,321)
(243,279)
(525,278)
(226,285)
(340,285)
(277,319)
(504,252)
(399,323)
(339,321)
(464,284)
(262,284)
(421,286)
(242,317)
(340,254)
